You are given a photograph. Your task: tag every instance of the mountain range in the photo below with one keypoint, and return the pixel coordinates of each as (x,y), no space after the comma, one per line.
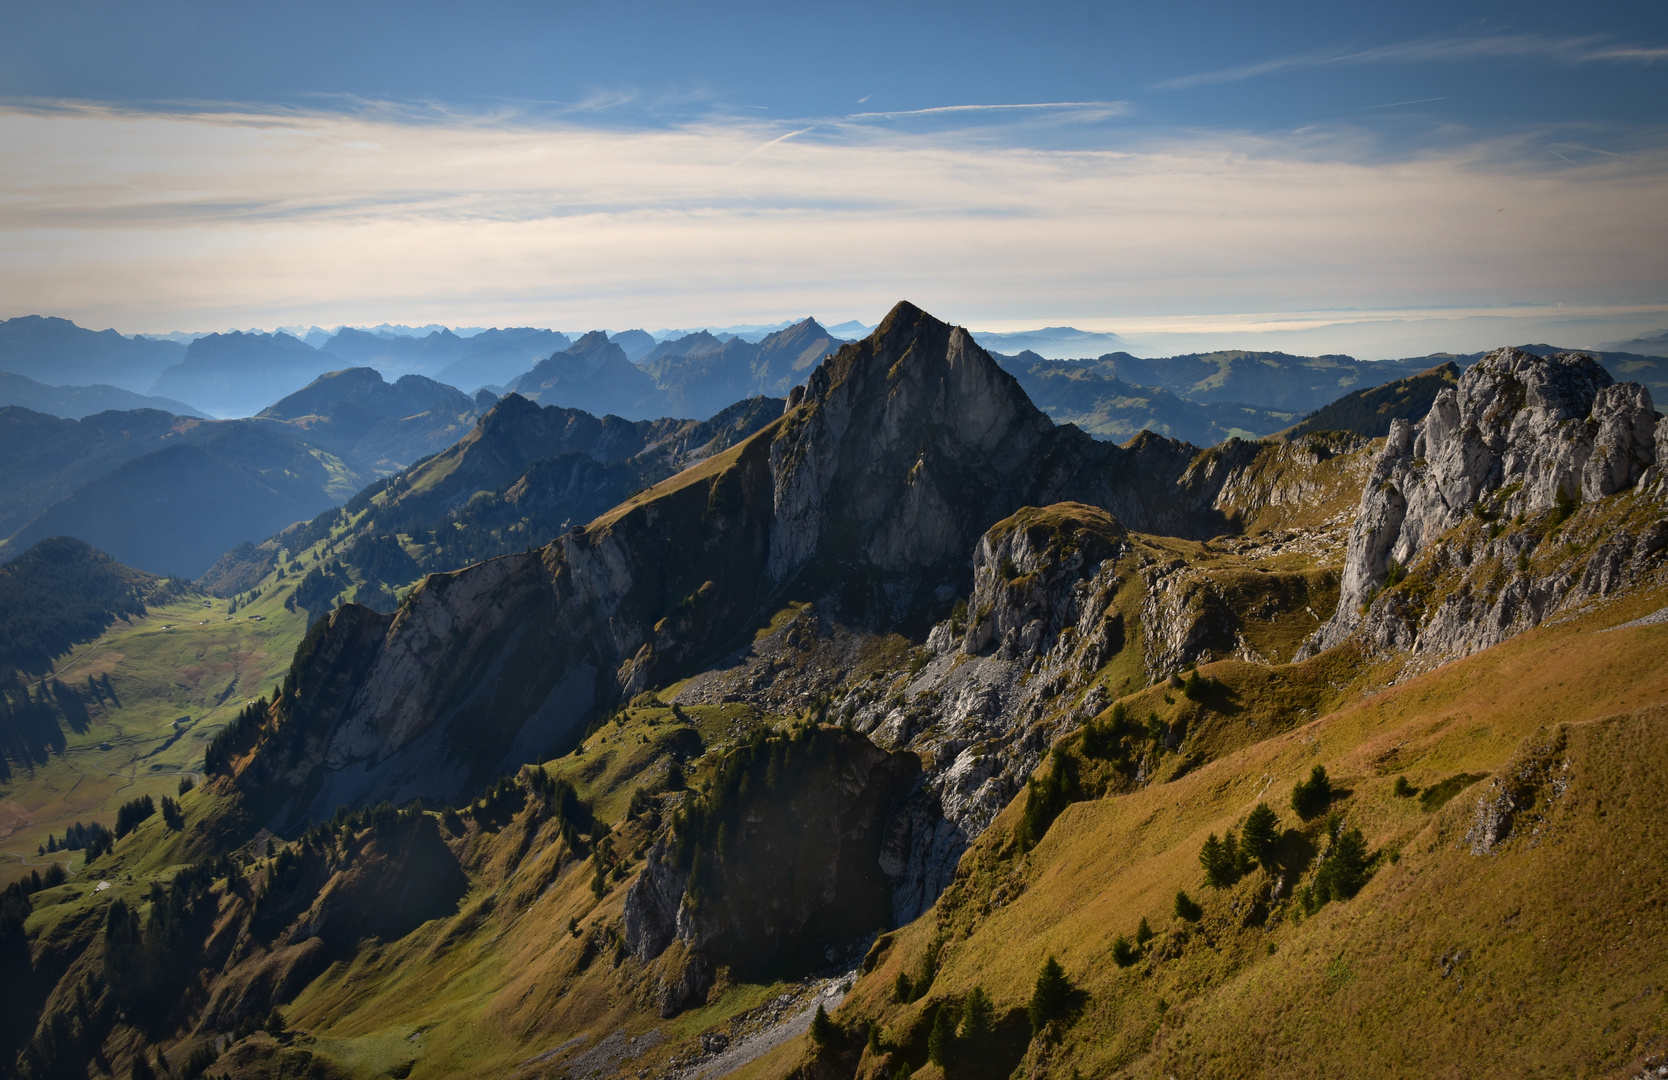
(74,402)
(171,494)
(893,729)
(56,351)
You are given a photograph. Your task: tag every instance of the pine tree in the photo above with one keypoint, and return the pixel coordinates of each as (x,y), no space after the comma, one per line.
(1261,834)
(978,1015)
(1186,909)
(1123,953)
(1052,997)
(941,1039)
(1220,858)
(1349,864)
(1310,797)
(1144,932)
(822,1028)
(874,1047)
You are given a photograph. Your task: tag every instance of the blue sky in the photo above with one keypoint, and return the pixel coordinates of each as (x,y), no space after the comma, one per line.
(1155,168)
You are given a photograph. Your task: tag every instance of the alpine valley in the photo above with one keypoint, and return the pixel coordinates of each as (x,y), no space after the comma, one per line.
(873,720)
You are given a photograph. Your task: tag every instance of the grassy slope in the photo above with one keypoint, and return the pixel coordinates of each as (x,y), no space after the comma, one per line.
(204,668)
(504,979)
(1558,953)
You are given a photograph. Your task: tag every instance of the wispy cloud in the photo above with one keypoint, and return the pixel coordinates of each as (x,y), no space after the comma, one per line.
(167,220)
(1399,104)
(1566,50)
(1104,108)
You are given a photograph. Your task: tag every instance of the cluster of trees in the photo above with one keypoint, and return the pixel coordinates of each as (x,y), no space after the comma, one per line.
(1122,739)
(906,988)
(69,1035)
(956,1032)
(132,813)
(317,592)
(1118,739)
(1342,869)
(61,592)
(94,838)
(1229,858)
(30,732)
(1045,797)
(148,962)
(235,738)
(1343,866)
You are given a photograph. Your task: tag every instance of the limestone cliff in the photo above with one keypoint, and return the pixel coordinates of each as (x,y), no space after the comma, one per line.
(1514,449)
(870,490)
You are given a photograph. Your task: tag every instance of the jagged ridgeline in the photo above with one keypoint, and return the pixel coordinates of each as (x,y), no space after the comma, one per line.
(868,492)
(912,734)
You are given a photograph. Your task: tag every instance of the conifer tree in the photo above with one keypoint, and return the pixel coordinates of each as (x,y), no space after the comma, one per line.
(1052,996)
(822,1028)
(978,1015)
(1260,835)
(1312,796)
(941,1039)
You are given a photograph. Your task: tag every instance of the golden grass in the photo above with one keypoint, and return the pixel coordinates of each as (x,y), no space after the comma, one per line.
(1340,988)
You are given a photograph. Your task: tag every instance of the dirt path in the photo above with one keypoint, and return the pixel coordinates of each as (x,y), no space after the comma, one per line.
(756,1044)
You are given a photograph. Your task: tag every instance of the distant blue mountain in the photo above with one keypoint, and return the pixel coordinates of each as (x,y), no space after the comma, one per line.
(74,402)
(59,353)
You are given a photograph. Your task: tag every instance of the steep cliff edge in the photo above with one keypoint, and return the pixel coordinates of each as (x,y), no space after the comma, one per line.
(1517,448)
(870,491)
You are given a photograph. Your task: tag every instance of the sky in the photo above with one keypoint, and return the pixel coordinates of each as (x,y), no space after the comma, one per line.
(1390,179)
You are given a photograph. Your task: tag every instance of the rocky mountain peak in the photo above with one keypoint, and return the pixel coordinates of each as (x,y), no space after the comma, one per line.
(899,448)
(1521,433)
(869,493)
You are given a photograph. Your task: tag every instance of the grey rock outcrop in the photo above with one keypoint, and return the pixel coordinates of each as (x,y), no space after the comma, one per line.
(652,904)
(1520,433)
(874,486)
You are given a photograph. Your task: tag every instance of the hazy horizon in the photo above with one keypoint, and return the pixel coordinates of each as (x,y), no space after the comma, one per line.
(1314,178)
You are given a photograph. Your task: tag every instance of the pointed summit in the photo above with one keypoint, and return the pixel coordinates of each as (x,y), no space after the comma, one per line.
(593,374)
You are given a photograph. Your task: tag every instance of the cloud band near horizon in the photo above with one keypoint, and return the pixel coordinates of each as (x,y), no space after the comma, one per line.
(161,221)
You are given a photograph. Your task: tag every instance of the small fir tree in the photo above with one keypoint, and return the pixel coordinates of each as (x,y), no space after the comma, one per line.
(1123,953)
(1312,796)
(978,1015)
(822,1028)
(941,1039)
(1052,996)
(1262,832)
(1186,909)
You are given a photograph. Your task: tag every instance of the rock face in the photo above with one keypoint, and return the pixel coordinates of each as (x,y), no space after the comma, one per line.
(1520,434)
(872,488)
(1045,582)
(905,446)
(777,869)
